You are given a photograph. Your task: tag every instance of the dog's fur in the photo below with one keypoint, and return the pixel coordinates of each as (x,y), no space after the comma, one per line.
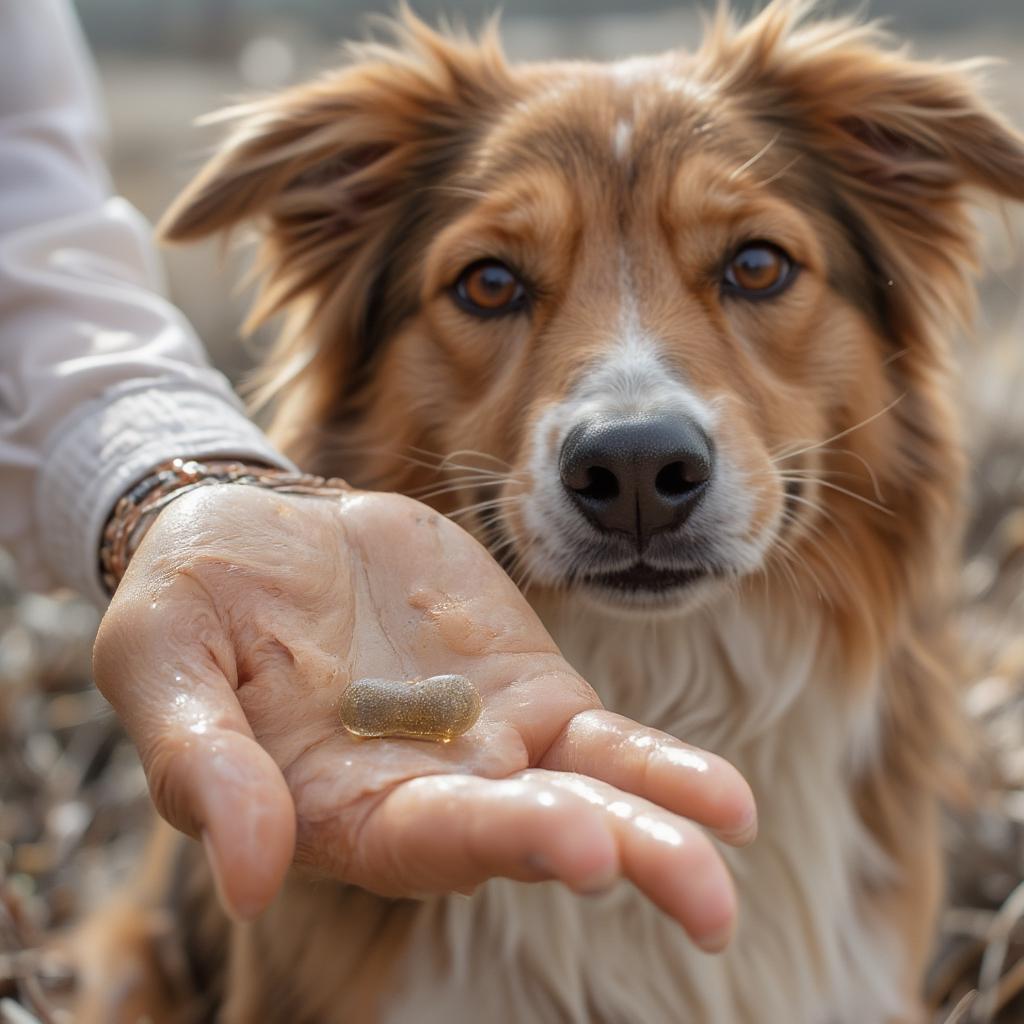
(819,659)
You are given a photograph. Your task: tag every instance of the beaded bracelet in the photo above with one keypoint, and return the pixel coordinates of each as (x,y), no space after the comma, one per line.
(135,511)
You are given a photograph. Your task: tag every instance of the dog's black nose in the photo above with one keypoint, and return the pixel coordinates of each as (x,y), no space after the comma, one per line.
(636,475)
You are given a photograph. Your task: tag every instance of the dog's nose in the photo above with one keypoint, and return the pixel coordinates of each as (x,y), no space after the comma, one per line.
(636,475)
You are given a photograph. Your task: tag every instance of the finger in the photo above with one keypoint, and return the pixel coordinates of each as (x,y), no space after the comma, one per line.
(660,768)
(668,858)
(452,832)
(206,773)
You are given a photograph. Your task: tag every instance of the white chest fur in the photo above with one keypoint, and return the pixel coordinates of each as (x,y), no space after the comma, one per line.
(765,698)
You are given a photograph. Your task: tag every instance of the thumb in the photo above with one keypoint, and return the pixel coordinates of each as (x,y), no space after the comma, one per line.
(207,774)
(223,787)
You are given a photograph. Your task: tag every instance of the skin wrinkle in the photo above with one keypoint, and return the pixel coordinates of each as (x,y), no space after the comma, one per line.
(341,854)
(274,649)
(190,577)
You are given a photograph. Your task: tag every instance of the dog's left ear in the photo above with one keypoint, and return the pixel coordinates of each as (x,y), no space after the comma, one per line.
(904,141)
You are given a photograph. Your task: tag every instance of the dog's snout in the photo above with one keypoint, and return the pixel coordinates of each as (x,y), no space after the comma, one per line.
(636,475)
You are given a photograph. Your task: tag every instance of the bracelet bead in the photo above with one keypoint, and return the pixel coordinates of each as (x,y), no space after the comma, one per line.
(139,506)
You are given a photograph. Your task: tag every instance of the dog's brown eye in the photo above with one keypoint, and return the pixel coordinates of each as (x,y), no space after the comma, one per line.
(489,288)
(758,271)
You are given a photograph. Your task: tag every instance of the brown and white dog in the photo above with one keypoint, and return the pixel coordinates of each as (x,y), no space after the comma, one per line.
(698,308)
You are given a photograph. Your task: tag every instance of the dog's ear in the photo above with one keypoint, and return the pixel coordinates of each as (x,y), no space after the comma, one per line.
(904,141)
(337,143)
(336,177)
(325,169)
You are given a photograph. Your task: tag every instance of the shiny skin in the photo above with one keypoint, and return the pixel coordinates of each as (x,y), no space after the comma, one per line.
(243,617)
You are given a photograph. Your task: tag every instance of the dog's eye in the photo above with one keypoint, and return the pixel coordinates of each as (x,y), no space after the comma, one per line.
(758,271)
(489,288)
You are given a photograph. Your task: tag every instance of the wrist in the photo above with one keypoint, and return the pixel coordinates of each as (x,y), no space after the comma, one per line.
(137,510)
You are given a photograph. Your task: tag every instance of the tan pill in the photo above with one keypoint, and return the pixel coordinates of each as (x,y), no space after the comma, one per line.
(439,708)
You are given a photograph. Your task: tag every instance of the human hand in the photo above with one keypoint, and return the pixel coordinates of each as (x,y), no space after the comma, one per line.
(242,618)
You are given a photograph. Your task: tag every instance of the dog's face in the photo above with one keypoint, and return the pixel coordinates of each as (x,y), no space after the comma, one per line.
(639,324)
(673,321)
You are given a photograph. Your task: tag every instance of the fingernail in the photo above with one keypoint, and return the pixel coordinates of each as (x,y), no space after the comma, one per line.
(237,912)
(600,881)
(539,864)
(746,833)
(716,941)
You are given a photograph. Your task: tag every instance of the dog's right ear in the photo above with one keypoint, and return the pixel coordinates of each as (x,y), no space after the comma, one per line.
(324,168)
(332,144)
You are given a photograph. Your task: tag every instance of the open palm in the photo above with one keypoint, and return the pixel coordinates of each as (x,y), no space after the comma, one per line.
(246,614)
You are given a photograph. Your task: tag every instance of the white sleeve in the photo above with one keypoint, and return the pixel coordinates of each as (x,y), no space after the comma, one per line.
(100,378)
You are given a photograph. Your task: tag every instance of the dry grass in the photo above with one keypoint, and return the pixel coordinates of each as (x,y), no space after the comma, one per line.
(978,975)
(73,805)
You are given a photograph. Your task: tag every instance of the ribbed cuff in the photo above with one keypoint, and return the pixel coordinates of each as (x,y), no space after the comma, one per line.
(114,442)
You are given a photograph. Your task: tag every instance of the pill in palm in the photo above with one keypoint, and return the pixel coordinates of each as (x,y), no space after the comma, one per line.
(439,708)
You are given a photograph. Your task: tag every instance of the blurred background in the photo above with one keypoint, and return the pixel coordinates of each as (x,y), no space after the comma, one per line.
(73,807)
(162,65)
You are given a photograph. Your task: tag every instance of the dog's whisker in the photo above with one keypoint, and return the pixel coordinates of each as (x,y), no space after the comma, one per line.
(464,476)
(809,502)
(480,506)
(786,569)
(519,566)
(448,459)
(790,554)
(825,518)
(527,577)
(804,530)
(878,506)
(500,549)
(428,460)
(853,455)
(440,467)
(791,563)
(812,478)
(478,454)
(447,486)
(804,475)
(782,456)
(807,480)
(438,491)
(470,474)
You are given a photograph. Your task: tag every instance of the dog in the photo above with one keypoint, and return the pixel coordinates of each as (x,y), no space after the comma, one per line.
(698,309)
